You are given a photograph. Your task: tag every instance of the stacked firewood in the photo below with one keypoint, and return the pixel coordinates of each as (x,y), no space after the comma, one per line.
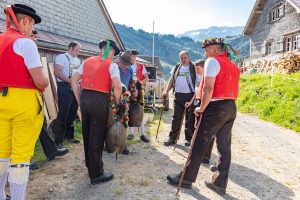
(288,63)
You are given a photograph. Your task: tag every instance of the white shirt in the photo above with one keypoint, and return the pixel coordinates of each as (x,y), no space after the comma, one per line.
(211,67)
(134,75)
(69,64)
(113,70)
(181,85)
(26,48)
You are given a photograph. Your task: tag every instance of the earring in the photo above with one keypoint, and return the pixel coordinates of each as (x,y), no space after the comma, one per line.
(26,28)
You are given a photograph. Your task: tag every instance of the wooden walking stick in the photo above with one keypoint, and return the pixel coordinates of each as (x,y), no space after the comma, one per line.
(180,128)
(190,153)
(161,112)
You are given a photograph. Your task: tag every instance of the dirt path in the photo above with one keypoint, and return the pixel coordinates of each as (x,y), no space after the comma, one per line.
(265,165)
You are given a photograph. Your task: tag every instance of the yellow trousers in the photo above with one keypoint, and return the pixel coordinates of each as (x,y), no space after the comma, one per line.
(21,120)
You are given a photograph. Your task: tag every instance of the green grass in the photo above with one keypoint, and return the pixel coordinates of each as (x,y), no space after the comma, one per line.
(278,102)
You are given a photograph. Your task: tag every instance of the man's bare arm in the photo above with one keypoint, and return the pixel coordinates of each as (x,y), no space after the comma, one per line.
(58,72)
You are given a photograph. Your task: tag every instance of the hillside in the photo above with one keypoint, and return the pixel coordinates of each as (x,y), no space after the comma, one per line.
(167,47)
(214,31)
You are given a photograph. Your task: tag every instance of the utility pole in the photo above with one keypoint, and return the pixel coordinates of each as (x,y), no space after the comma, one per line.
(153,46)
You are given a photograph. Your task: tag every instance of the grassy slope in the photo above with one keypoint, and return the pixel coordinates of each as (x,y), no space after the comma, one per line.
(279,104)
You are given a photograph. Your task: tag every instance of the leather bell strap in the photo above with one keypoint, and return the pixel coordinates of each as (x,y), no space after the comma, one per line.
(11,15)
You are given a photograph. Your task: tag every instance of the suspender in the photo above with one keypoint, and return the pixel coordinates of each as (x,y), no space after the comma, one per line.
(70,71)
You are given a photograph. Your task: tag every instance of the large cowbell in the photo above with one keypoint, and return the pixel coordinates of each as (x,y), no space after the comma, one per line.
(115,139)
(136,113)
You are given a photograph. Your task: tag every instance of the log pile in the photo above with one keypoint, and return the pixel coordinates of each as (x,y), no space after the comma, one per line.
(286,64)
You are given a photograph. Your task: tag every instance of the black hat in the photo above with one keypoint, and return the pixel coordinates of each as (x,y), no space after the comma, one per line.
(112,44)
(125,58)
(134,52)
(26,10)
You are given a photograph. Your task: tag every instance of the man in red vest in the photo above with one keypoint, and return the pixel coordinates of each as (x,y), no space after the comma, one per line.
(21,107)
(218,92)
(98,75)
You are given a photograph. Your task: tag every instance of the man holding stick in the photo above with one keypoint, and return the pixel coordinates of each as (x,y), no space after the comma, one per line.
(218,91)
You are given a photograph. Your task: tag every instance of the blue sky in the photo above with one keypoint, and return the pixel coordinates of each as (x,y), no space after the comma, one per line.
(179,16)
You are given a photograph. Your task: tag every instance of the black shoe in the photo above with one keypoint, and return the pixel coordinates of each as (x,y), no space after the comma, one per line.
(60,146)
(130,137)
(8,197)
(187,143)
(33,166)
(175,178)
(73,140)
(58,152)
(219,190)
(213,167)
(205,161)
(145,139)
(169,143)
(106,176)
(125,151)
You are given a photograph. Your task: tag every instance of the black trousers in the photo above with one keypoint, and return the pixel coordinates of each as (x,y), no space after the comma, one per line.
(208,152)
(94,112)
(67,106)
(179,102)
(217,121)
(48,145)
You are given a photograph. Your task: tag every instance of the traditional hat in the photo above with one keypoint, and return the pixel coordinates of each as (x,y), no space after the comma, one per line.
(227,47)
(125,58)
(26,10)
(211,41)
(112,44)
(134,52)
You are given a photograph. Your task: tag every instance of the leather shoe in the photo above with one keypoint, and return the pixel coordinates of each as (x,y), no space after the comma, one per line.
(58,152)
(73,140)
(130,137)
(219,190)
(169,143)
(33,166)
(175,178)
(205,161)
(8,197)
(145,139)
(125,151)
(187,143)
(213,167)
(106,176)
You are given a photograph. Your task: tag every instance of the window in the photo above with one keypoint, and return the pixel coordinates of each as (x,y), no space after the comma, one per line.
(276,13)
(292,42)
(268,48)
(288,44)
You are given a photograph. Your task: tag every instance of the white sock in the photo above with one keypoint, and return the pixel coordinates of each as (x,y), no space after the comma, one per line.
(130,131)
(4,163)
(142,127)
(18,179)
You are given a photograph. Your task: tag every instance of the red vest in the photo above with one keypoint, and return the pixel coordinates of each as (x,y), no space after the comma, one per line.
(139,71)
(96,75)
(227,81)
(13,71)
